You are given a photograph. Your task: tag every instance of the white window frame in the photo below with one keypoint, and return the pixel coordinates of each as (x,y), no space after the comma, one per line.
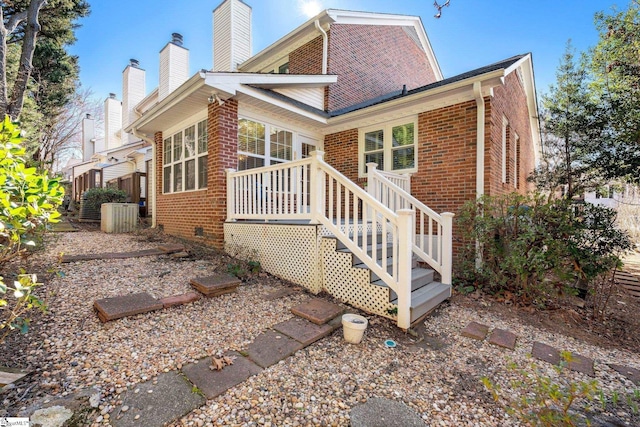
(386,128)
(180,135)
(516,169)
(505,123)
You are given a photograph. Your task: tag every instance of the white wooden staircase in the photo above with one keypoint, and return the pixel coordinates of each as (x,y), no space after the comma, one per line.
(375,244)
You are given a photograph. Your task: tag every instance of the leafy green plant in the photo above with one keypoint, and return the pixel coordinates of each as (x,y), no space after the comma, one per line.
(539,400)
(95,197)
(235,269)
(534,248)
(28,201)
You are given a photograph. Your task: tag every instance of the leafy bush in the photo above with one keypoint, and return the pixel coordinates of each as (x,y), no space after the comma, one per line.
(95,197)
(28,201)
(533,248)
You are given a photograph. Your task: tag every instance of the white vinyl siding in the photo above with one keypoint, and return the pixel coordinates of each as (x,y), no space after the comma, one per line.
(313,97)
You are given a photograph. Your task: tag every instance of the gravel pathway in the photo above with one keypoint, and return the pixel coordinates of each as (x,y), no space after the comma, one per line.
(439,377)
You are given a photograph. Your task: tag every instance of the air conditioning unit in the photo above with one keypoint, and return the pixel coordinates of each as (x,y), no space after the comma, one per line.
(118,217)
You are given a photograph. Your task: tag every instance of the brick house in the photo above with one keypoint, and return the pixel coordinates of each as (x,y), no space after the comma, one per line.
(234,165)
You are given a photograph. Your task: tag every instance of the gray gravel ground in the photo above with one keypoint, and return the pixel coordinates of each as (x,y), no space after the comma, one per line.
(71,349)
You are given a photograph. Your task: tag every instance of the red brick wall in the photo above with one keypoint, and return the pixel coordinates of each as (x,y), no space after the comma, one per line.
(181,213)
(307,59)
(510,101)
(372,61)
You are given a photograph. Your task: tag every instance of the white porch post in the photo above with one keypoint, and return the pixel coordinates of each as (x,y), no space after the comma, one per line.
(317,187)
(406,224)
(231,195)
(371,174)
(447,247)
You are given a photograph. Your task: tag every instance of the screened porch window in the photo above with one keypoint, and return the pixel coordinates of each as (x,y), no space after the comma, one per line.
(185,159)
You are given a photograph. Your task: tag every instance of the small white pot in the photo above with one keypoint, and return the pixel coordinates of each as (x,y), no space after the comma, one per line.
(353,327)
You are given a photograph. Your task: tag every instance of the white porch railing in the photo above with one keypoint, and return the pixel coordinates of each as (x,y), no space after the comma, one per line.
(432,234)
(311,189)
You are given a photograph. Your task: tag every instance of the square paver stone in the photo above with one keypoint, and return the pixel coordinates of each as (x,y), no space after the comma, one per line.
(503,338)
(632,374)
(551,355)
(545,353)
(157,404)
(180,299)
(318,311)
(215,285)
(213,383)
(475,330)
(303,331)
(126,305)
(271,347)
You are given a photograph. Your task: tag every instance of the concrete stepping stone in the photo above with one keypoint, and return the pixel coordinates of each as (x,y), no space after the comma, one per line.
(318,311)
(63,226)
(10,375)
(551,355)
(126,305)
(503,338)
(271,347)
(379,412)
(171,398)
(213,286)
(632,374)
(180,299)
(475,330)
(303,331)
(213,383)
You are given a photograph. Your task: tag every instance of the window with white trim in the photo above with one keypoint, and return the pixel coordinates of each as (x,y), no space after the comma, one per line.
(261,144)
(184,159)
(516,153)
(505,153)
(392,146)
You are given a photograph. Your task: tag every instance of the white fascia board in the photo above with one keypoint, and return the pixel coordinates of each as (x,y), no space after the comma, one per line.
(526,64)
(438,97)
(247,90)
(270,81)
(187,88)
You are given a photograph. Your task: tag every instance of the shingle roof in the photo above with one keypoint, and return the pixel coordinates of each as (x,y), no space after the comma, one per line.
(506,63)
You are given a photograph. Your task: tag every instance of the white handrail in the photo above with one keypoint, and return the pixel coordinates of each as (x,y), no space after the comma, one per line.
(311,189)
(439,255)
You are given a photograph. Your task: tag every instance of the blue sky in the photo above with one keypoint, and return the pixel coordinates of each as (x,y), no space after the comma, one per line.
(470,34)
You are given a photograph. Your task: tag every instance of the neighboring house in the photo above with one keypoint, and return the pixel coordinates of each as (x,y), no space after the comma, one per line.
(118,160)
(361,88)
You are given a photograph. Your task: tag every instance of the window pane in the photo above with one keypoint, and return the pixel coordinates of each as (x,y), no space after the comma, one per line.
(202,137)
(402,135)
(249,162)
(374,140)
(403,158)
(281,142)
(166,157)
(177,177)
(251,137)
(190,141)
(190,174)
(166,179)
(202,172)
(375,158)
(177,147)
(284,68)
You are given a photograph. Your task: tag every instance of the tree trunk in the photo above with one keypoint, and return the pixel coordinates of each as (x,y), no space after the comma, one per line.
(28,47)
(5,31)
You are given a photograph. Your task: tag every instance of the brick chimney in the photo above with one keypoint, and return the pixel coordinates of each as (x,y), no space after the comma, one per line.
(88,137)
(112,122)
(231,35)
(174,66)
(133,91)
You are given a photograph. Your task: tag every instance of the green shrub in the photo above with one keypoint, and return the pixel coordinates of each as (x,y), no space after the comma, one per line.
(95,197)
(28,201)
(533,248)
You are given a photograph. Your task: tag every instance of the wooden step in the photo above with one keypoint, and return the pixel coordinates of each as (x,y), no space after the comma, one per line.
(426,298)
(340,245)
(389,263)
(419,277)
(356,260)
